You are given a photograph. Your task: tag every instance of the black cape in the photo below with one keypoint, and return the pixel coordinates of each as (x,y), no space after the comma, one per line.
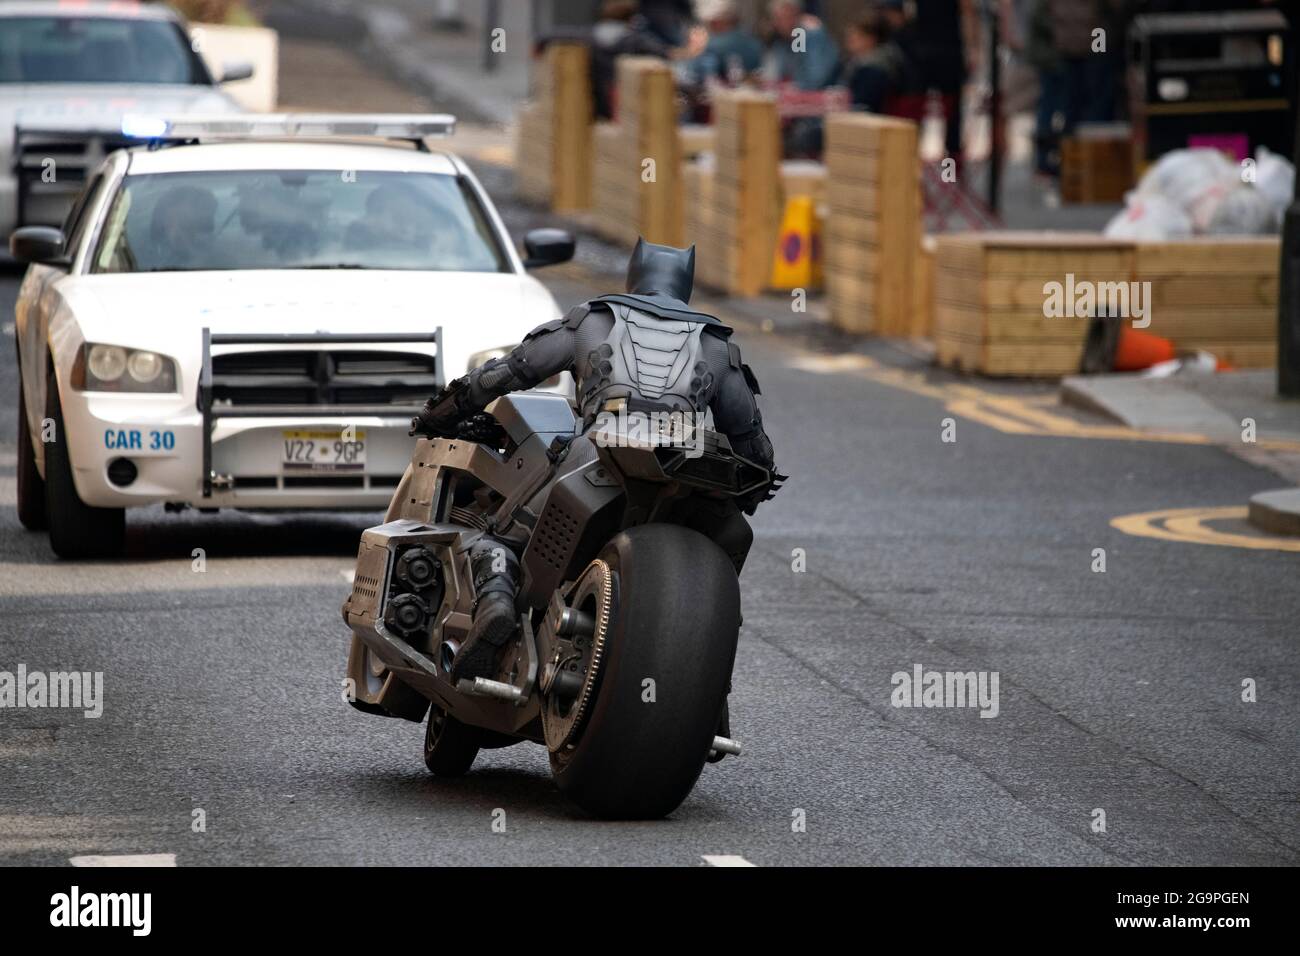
(663,307)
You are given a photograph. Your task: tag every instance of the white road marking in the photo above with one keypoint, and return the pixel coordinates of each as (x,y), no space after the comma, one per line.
(348,575)
(141,859)
(726,861)
(9,328)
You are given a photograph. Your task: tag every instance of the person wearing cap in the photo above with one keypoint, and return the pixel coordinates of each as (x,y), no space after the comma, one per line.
(809,59)
(730,51)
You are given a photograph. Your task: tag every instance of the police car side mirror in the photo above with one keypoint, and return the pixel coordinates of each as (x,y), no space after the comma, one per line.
(548,247)
(38,244)
(238,70)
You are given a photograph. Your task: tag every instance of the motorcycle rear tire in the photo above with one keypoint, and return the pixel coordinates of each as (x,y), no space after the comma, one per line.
(675,620)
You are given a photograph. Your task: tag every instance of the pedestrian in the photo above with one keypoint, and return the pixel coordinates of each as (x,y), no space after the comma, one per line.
(873,65)
(942,31)
(619,31)
(1081,31)
(730,52)
(1041,54)
(668,20)
(802,51)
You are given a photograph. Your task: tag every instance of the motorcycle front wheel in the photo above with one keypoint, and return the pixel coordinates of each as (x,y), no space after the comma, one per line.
(665,666)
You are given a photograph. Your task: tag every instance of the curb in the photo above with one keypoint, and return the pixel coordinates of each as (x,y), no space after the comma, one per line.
(1277,512)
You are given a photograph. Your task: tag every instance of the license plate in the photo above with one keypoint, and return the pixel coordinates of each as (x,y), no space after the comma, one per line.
(323,450)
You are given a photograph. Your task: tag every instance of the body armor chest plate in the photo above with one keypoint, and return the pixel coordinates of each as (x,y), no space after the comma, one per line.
(659,361)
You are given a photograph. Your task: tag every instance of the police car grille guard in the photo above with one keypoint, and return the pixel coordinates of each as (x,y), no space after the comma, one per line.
(51,161)
(205,401)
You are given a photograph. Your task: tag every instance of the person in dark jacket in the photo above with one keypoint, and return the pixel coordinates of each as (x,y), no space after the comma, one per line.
(874,65)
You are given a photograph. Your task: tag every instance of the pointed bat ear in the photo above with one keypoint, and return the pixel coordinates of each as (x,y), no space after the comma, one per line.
(635,263)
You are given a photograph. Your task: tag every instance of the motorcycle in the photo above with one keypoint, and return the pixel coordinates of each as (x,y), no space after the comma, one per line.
(629,603)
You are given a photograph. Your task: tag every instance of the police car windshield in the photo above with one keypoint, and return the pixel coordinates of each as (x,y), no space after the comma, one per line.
(67,49)
(309,219)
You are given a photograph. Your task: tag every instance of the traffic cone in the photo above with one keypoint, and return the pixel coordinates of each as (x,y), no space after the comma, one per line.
(797,263)
(1138,350)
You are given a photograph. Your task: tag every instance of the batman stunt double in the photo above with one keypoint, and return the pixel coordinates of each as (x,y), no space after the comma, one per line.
(644,351)
(541,567)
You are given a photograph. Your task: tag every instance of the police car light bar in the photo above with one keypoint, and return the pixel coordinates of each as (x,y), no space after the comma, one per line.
(399,126)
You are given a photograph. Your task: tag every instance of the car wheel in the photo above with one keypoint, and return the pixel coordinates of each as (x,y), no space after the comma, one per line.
(31,486)
(76,529)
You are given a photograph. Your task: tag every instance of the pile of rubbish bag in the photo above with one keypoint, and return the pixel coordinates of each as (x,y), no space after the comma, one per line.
(1201,192)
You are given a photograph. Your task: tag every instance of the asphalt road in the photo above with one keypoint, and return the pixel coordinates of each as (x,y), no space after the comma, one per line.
(1119,691)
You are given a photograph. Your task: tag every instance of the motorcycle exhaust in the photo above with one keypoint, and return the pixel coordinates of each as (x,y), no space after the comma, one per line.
(482,687)
(725,745)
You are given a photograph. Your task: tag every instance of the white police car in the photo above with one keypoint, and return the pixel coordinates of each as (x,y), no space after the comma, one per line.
(246,312)
(68,73)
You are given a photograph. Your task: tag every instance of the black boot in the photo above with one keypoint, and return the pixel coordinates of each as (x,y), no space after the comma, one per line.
(495,624)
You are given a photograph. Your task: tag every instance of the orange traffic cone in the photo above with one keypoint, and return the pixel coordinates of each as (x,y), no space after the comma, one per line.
(1138,350)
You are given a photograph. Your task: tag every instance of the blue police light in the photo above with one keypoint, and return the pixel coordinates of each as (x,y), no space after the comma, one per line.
(144,127)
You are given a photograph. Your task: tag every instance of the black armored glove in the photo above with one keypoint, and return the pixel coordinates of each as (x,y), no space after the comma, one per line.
(443,413)
(481,428)
(749,503)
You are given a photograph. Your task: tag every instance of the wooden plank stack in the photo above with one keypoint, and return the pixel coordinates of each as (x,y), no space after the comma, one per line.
(745,196)
(874,222)
(554,148)
(989,299)
(922,326)
(697,195)
(1097,164)
(1215,294)
(615,204)
(803,177)
(628,200)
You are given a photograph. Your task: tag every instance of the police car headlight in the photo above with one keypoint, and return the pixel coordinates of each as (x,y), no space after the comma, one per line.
(106,362)
(144,367)
(111,368)
(487,355)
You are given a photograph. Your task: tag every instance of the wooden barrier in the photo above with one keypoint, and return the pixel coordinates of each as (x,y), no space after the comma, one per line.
(554,148)
(638,178)
(735,226)
(1097,164)
(1215,294)
(989,298)
(698,179)
(874,222)
(990,289)
(922,324)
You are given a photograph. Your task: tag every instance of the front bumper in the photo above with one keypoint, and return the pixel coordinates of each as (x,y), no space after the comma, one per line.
(246,457)
(212,455)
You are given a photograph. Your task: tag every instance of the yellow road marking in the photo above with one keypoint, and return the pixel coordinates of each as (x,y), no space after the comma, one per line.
(1010,414)
(1187,525)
